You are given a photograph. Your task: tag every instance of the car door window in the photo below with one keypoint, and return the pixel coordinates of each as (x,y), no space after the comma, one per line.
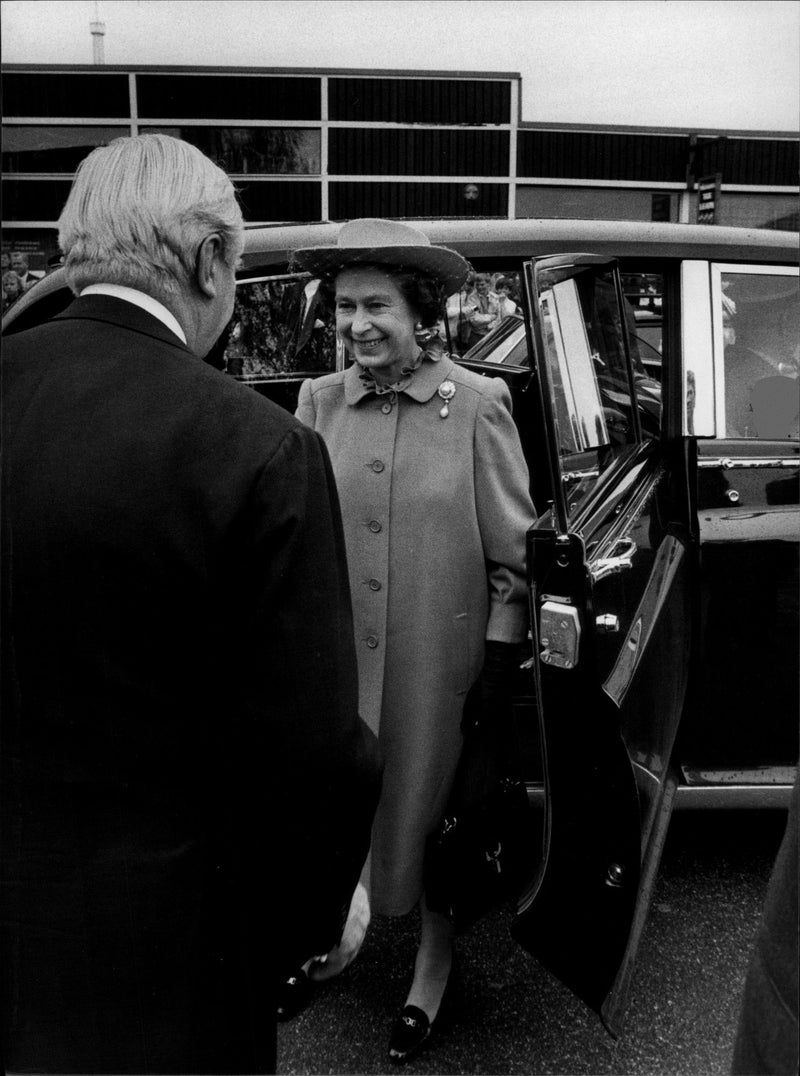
(757,310)
(280,330)
(603,401)
(644,293)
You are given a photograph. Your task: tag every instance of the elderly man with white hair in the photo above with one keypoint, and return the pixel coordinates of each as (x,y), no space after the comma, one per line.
(187,787)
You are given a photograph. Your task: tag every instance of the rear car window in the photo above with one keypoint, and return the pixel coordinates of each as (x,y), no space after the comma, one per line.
(760,313)
(280,329)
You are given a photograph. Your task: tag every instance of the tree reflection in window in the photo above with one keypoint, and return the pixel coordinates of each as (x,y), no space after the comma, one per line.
(280,329)
(278,151)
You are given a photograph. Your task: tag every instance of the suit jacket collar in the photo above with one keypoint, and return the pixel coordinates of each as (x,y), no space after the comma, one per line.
(422,387)
(124,315)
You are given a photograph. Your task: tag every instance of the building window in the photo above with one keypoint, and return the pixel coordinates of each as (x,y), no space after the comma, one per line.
(760,161)
(254,150)
(53,149)
(406,100)
(280,201)
(34,199)
(662,207)
(369,151)
(585,203)
(66,95)
(212,97)
(597,155)
(349,200)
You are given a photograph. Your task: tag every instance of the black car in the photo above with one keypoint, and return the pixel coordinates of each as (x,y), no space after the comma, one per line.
(654,373)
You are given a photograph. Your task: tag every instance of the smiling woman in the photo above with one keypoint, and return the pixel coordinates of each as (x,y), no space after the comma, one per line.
(433,488)
(377,322)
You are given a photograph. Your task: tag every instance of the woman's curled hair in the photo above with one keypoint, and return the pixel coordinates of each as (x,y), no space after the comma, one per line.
(423,293)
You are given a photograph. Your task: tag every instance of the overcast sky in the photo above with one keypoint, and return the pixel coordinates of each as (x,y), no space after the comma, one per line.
(730,64)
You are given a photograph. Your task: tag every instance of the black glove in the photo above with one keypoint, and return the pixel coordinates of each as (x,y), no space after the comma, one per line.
(489,698)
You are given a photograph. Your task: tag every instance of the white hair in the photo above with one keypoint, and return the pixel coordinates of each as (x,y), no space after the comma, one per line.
(138,210)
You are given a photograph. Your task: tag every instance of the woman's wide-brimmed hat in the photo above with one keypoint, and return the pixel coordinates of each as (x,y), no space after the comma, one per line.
(373,241)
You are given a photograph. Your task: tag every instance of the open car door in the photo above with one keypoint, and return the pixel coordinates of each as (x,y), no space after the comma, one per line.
(610,567)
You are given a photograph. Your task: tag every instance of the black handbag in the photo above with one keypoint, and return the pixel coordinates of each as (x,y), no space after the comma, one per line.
(479,854)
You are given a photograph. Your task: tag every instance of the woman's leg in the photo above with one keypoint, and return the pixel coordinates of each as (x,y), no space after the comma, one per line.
(433,963)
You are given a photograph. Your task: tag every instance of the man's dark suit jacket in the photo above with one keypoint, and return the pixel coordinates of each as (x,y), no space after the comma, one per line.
(187,787)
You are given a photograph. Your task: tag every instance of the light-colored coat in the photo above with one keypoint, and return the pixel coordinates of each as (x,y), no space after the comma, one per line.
(435,512)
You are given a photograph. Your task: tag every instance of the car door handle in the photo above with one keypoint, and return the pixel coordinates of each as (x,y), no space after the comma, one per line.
(623,551)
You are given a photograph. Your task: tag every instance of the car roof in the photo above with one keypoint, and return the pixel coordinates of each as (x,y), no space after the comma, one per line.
(479,237)
(271,244)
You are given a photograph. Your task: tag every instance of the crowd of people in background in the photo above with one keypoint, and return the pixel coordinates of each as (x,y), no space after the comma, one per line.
(17,276)
(484,301)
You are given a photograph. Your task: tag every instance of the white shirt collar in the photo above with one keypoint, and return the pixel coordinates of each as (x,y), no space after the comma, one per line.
(138,298)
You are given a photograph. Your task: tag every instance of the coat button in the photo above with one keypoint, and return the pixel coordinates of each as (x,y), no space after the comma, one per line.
(374,584)
(377,466)
(372,641)
(375,526)
(387,409)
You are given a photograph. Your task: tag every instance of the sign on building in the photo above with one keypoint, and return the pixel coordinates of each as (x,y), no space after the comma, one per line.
(708,195)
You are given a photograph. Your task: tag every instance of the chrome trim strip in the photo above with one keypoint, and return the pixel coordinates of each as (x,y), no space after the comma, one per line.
(731,797)
(729,463)
(279,379)
(710,797)
(627,516)
(698,350)
(536,794)
(665,568)
(578,476)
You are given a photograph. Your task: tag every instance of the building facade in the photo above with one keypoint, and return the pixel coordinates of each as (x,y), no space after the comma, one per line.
(305,145)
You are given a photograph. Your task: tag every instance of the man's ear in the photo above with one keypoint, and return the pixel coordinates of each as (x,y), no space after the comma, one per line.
(210,254)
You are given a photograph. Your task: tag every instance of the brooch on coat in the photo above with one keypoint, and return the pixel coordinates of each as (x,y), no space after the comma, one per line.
(447,391)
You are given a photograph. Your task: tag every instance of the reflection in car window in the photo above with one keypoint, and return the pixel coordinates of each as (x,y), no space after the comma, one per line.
(760,316)
(506,345)
(644,312)
(484,303)
(573,370)
(584,330)
(280,329)
(644,293)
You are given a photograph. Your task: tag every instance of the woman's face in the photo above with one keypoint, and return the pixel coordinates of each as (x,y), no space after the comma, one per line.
(375,322)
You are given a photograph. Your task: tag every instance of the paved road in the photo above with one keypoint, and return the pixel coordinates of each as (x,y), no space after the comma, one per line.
(510,1016)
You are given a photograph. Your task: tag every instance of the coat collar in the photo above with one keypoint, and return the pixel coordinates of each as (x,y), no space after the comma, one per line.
(422,387)
(126,315)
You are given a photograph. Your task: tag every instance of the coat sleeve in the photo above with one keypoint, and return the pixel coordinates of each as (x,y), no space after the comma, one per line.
(305,404)
(314,773)
(505,512)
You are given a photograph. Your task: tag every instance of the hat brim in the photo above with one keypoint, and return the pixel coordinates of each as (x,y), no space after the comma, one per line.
(446,266)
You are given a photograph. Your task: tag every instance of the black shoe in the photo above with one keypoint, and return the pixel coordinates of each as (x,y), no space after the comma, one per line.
(293,996)
(411,1028)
